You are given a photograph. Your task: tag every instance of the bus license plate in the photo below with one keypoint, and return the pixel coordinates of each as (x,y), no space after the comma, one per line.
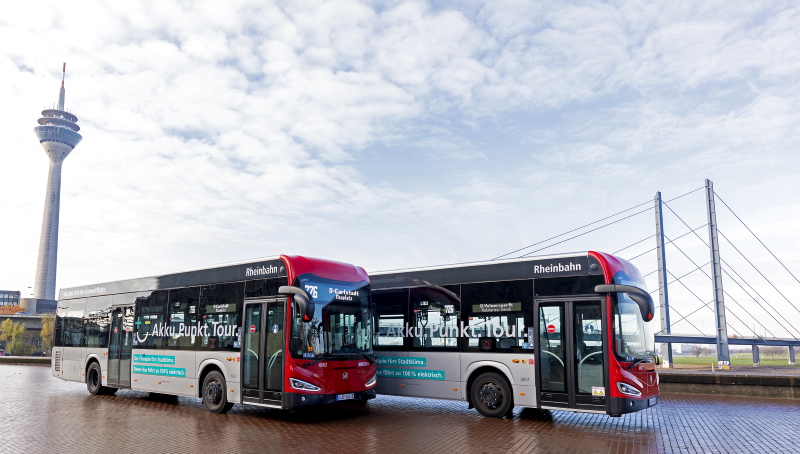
(652,401)
(350,396)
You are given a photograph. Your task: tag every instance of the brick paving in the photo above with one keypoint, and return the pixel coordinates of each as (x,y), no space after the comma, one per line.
(39,413)
(736,370)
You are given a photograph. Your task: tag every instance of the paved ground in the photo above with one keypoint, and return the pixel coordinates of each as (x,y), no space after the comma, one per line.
(736,370)
(39,413)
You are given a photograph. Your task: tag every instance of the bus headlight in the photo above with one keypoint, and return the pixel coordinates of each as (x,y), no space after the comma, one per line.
(372,381)
(301,385)
(629,390)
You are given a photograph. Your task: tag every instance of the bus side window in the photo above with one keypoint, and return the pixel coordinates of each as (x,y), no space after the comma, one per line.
(183,318)
(61,314)
(73,323)
(502,311)
(263,287)
(149,324)
(434,317)
(391,306)
(97,324)
(220,307)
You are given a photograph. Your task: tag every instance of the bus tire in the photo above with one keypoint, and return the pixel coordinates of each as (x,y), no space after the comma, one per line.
(491,395)
(94,380)
(214,393)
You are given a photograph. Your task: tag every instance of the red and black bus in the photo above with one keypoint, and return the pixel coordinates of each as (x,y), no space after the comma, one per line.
(281,332)
(563,332)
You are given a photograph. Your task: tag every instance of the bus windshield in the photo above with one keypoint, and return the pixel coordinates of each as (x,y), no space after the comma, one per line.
(341,327)
(633,337)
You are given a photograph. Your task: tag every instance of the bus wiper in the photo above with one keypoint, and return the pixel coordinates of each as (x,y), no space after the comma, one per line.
(323,359)
(640,360)
(371,361)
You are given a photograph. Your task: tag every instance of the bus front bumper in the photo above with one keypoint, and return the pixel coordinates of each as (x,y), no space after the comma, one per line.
(294,400)
(620,405)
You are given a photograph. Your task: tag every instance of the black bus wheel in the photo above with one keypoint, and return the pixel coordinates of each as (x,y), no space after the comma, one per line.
(94,381)
(491,395)
(214,393)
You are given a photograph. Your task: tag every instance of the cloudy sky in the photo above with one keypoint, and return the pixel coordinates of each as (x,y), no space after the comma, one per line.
(398,134)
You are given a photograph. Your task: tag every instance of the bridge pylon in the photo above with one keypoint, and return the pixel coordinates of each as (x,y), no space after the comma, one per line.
(723,354)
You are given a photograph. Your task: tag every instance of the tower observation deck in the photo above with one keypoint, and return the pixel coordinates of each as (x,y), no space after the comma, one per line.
(58,134)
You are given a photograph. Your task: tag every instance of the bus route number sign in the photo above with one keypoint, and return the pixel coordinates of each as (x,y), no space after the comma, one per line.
(551,329)
(252,329)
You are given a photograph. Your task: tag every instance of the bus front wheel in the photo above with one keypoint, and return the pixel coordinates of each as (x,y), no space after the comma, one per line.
(94,382)
(214,393)
(491,395)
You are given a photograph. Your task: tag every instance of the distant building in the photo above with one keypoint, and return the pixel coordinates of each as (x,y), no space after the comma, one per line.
(9,297)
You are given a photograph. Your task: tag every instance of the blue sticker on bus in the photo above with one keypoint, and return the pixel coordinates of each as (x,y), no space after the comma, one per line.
(401,361)
(155,370)
(411,373)
(153,359)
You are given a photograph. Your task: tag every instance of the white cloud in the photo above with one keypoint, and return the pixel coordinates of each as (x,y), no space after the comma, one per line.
(389,134)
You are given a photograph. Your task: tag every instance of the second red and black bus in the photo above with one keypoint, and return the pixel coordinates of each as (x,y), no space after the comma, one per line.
(562,332)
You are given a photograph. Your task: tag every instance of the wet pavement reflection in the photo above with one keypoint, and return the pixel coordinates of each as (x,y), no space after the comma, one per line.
(40,413)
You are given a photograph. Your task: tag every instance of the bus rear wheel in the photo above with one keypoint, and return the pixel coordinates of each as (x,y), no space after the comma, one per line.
(214,393)
(491,395)
(94,382)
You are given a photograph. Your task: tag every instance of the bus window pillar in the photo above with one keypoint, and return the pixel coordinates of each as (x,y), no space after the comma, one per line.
(755,356)
(791,355)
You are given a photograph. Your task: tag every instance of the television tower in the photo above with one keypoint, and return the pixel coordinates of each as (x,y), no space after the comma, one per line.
(58,134)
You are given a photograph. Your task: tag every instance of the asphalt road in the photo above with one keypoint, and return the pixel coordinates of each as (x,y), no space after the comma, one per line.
(39,413)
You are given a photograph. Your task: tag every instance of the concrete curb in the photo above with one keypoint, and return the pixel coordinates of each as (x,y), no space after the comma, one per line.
(28,360)
(769,386)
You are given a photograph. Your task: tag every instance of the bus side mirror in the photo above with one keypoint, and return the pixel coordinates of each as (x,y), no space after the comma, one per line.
(304,306)
(643,299)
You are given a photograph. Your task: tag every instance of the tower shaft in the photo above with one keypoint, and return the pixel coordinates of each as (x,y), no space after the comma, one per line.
(44,286)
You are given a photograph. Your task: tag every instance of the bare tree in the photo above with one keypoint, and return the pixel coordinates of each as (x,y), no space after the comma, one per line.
(772,351)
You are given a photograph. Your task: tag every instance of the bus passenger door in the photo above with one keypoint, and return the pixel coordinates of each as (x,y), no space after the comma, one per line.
(119,347)
(571,361)
(263,352)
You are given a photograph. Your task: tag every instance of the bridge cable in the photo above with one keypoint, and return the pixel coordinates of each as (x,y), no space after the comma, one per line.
(756,292)
(759,271)
(676,238)
(573,230)
(679,278)
(759,304)
(584,233)
(724,291)
(587,225)
(688,315)
(759,239)
(654,271)
(704,305)
(634,244)
(687,321)
(735,281)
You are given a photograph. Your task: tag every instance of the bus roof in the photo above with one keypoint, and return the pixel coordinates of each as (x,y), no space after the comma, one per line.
(557,265)
(267,267)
